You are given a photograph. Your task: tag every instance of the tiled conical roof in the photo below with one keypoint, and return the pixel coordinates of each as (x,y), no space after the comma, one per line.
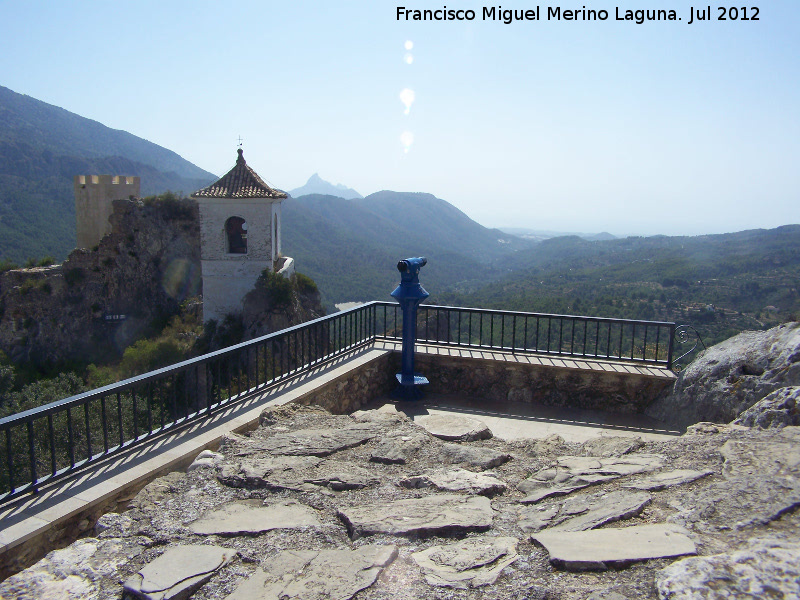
(240,182)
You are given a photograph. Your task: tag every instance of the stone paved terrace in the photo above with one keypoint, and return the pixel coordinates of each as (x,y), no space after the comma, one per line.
(62,511)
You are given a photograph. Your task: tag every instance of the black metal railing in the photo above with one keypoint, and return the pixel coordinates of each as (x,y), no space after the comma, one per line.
(648,342)
(45,443)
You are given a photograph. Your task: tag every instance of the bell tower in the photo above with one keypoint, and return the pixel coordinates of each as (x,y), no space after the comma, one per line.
(240,236)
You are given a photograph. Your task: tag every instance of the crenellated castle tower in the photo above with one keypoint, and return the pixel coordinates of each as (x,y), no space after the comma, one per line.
(94,195)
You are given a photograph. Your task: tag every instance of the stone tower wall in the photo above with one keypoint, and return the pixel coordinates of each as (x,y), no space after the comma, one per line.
(93,197)
(228,277)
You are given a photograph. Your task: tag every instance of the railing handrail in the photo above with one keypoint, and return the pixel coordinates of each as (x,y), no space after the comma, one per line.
(111,388)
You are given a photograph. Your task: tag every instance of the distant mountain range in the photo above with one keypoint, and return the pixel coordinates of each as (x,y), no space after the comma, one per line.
(317,185)
(42,147)
(351,247)
(539,235)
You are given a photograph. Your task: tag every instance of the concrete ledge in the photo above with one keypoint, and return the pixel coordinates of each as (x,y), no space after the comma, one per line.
(36,524)
(548,380)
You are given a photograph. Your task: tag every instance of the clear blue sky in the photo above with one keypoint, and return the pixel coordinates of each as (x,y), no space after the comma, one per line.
(663,127)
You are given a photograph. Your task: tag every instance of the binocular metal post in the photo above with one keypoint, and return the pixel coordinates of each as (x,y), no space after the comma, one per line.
(409,294)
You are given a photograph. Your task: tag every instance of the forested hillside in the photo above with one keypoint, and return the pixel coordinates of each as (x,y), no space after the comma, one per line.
(42,147)
(720,283)
(351,247)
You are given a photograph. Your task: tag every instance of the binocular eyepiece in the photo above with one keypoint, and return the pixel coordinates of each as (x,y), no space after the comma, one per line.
(408,265)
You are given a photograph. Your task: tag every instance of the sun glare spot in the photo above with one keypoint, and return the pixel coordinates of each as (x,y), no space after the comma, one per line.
(409,45)
(407,97)
(409,58)
(407,138)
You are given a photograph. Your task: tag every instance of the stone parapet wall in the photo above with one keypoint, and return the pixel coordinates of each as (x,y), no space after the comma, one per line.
(356,388)
(504,380)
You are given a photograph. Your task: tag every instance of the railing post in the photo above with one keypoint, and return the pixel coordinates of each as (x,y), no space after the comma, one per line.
(671,345)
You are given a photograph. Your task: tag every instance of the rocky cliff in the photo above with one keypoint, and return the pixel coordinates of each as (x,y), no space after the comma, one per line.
(100,300)
(732,376)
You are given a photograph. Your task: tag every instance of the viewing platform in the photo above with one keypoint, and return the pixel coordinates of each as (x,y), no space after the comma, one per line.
(525,375)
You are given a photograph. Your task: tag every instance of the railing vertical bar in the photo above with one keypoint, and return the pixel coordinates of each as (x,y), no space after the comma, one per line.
(644,344)
(608,342)
(105,422)
(671,345)
(174,396)
(70,438)
(52,433)
(119,418)
(514,333)
(621,332)
(633,340)
(10,460)
(150,407)
(491,330)
(32,453)
(88,430)
(658,336)
(560,335)
(596,338)
(585,335)
(525,334)
(572,340)
(549,322)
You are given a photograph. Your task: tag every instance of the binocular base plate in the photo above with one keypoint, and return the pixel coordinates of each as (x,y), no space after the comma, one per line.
(407,390)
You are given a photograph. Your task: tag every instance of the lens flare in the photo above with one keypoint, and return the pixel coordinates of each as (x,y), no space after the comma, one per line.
(409,45)
(409,58)
(407,98)
(406,138)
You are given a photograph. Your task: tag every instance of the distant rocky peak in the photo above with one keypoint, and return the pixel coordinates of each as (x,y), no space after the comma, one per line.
(317,185)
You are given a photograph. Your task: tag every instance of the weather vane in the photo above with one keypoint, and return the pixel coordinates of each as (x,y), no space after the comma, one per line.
(240,141)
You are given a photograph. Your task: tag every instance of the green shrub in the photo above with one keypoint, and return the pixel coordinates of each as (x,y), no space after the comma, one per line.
(6,265)
(278,287)
(304,284)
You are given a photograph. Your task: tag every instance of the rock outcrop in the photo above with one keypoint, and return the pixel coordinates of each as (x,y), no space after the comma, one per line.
(732,376)
(712,513)
(100,300)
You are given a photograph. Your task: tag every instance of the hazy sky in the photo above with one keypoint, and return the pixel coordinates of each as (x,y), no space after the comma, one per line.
(662,127)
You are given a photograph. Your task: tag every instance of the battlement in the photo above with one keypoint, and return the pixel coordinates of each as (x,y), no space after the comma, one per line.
(107,180)
(93,197)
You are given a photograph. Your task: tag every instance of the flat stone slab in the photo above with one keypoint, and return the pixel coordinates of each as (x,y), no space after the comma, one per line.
(430,515)
(316,442)
(660,481)
(585,512)
(259,472)
(572,473)
(607,445)
(316,574)
(454,428)
(469,563)
(178,572)
(602,509)
(600,548)
(391,452)
(252,516)
(474,456)
(299,473)
(766,568)
(457,480)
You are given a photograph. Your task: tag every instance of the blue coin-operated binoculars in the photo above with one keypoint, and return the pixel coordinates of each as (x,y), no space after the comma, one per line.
(409,294)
